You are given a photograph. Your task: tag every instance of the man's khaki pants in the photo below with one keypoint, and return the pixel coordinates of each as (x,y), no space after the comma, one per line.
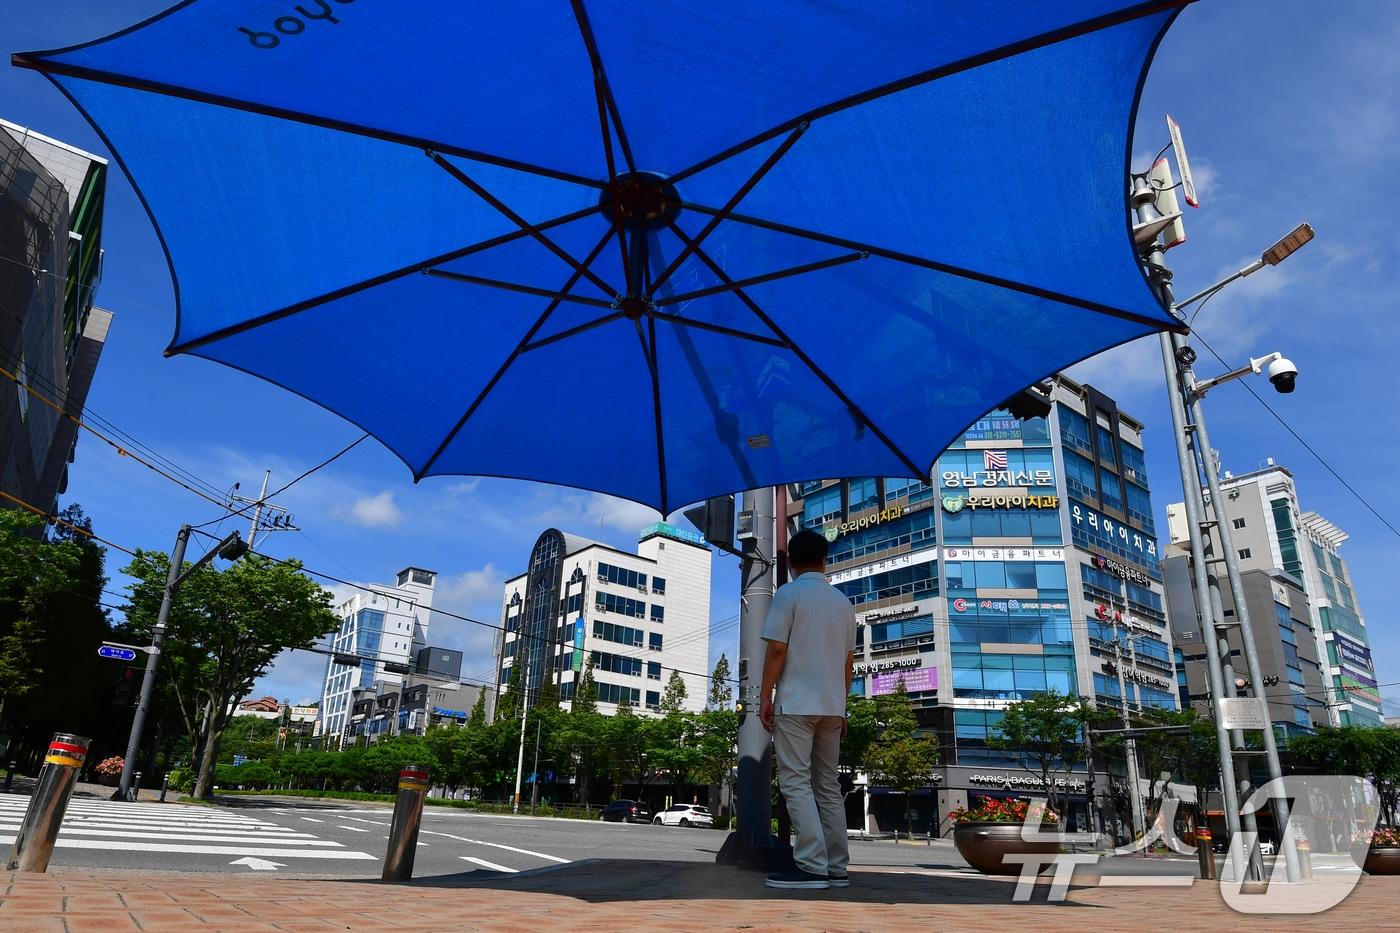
(808,748)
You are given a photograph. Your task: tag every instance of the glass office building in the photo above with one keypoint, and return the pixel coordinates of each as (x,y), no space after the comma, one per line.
(1027,562)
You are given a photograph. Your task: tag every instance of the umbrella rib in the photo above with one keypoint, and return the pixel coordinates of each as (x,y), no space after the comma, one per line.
(716,328)
(573,331)
(516,287)
(652,365)
(790,344)
(519,221)
(600,80)
(732,203)
(501,371)
(733,285)
(346,291)
(1063,34)
(20,60)
(959,271)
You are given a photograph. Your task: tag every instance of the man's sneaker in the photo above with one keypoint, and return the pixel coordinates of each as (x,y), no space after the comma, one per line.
(838,881)
(797,878)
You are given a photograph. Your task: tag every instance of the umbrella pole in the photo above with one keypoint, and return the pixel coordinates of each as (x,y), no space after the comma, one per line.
(752,845)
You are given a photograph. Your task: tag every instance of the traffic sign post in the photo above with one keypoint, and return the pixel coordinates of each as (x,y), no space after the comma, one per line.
(408,813)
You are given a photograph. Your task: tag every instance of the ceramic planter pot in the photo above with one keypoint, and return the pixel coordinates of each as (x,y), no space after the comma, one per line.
(983,845)
(1382,861)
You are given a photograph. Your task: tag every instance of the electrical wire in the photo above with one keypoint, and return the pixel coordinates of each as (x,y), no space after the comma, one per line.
(55,520)
(1306,446)
(262,500)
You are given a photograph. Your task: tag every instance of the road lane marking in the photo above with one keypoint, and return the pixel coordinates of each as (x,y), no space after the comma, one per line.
(311,819)
(358,820)
(498,845)
(201,850)
(353,829)
(485,864)
(552,858)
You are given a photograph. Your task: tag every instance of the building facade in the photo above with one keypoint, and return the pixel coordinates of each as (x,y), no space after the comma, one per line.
(638,617)
(386,627)
(51,335)
(1272,532)
(1026,563)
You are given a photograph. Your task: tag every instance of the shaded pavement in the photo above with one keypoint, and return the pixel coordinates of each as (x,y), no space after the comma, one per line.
(610,895)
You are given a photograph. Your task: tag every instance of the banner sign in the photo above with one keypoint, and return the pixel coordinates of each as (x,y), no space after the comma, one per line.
(897,562)
(1004,553)
(1113,532)
(919,679)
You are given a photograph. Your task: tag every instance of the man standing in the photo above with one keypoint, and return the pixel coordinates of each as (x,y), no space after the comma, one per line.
(811,635)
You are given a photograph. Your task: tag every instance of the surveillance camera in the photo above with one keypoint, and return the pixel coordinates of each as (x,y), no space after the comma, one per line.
(1283,374)
(1185,356)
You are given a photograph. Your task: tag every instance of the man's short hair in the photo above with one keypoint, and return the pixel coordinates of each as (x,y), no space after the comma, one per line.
(806,549)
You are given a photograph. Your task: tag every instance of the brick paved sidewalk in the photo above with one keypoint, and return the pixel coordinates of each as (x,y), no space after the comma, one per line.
(610,895)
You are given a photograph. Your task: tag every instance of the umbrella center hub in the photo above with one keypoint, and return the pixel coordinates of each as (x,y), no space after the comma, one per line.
(640,200)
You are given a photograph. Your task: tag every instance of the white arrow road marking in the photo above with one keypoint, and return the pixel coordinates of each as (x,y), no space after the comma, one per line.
(201,850)
(485,864)
(258,864)
(498,845)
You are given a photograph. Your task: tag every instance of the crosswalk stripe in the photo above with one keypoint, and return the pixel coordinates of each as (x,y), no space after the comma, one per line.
(61,842)
(66,830)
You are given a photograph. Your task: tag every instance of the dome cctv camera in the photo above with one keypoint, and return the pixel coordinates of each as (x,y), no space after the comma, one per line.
(1283,374)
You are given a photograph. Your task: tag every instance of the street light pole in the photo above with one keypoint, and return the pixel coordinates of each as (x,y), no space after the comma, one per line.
(1134,785)
(230,548)
(148,682)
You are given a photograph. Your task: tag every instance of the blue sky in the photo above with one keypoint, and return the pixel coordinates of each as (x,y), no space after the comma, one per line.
(1288,108)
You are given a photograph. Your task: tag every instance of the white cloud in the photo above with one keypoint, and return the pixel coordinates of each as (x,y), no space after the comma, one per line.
(376,511)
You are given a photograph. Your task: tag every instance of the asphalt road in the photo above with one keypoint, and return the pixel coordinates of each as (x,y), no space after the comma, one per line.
(345,839)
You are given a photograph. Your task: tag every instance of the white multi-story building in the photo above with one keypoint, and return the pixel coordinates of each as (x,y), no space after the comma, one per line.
(639,616)
(386,624)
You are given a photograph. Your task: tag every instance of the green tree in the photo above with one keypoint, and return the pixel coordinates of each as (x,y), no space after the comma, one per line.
(674,695)
(586,694)
(721,692)
(228,627)
(1364,751)
(32,572)
(1044,734)
(477,718)
(250,736)
(898,757)
(717,742)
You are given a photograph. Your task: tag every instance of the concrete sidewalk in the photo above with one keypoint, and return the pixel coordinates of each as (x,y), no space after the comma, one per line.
(629,895)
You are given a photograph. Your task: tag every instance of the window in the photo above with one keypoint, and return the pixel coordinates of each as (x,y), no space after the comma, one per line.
(653,670)
(1244,553)
(654,642)
(1237,523)
(621,634)
(654,700)
(906,581)
(862,495)
(617,664)
(621,576)
(658,613)
(658,585)
(617,694)
(610,602)
(820,507)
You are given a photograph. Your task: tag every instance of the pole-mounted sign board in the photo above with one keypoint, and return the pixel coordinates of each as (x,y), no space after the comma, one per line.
(1243,713)
(116,654)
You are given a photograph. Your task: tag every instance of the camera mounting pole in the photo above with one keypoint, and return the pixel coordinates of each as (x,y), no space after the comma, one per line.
(1193,455)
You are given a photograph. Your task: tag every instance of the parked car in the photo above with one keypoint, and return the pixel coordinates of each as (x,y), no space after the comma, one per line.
(684,814)
(625,811)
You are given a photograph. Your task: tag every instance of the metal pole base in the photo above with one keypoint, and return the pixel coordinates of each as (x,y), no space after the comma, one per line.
(738,851)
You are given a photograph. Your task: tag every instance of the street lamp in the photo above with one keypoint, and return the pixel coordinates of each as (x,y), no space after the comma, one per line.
(229,548)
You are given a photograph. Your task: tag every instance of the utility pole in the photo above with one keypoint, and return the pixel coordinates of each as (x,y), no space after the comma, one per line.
(1134,784)
(281,519)
(1193,443)
(230,548)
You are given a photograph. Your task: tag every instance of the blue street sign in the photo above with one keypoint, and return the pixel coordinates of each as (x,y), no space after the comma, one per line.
(119,654)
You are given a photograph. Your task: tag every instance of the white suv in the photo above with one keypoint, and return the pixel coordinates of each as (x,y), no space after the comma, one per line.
(685,814)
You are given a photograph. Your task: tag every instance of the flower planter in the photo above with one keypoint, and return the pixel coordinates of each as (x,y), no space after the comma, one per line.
(984,845)
(1382,861)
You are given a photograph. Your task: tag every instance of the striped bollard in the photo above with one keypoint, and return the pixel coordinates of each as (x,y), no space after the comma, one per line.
(408,813)
(35,840)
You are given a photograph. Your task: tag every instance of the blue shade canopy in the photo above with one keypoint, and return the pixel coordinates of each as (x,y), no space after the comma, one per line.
(663,250)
